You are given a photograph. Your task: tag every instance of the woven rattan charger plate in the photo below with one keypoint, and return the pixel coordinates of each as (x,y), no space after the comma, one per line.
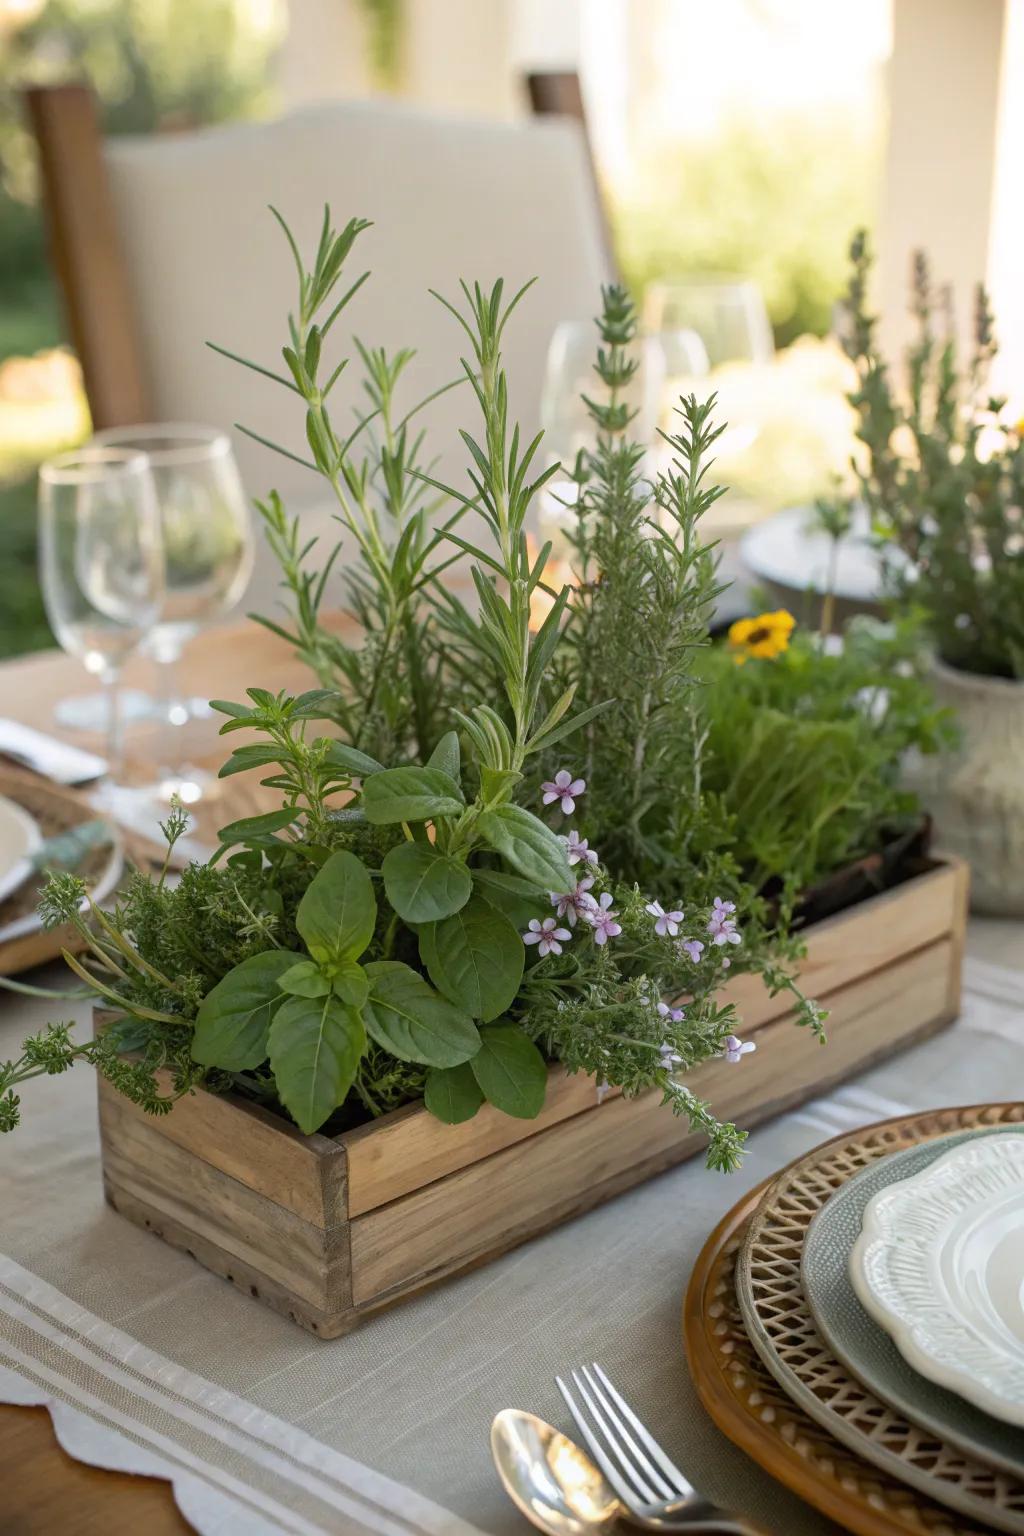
(748,1404)
(56,810)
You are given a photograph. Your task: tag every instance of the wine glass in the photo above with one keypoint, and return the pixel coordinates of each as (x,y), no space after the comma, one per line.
(101,565)
(570,374)
(208,555)
(727,313)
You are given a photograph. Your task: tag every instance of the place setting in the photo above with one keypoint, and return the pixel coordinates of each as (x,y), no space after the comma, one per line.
(857,1326)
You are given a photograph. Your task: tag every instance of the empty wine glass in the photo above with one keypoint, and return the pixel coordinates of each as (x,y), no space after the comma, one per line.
(208,555)
(570,374)
(101,564)
(727,313)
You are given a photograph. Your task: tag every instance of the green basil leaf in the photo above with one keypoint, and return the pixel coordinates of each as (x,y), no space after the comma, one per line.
(234,1016)
(447,755)
(423,885)
(511,1071)
(315,1045)
(452,1094)
(527,844)
(515,898)
(351,984)
(407,1017)
(338,913)
(475,958)
(351,760)
(305,980)
(236,711)
(410,794)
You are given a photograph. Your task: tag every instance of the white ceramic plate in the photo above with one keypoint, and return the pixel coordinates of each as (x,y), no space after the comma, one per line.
(19,838)
(939,1265)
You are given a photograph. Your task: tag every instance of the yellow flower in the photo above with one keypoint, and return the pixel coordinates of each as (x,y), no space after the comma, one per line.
(766,636)
(1019,428)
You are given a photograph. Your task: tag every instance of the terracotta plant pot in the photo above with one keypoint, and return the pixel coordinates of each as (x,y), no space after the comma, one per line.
(975,791)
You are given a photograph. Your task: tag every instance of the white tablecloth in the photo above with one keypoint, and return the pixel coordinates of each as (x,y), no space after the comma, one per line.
(148,1363)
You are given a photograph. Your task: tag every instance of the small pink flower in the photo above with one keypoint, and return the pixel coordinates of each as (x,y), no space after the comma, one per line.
(665,923)
(721,926)
(546,935)
(602,919)
(577,849)
(735,1048)
(563,788)
(675,1014)
(575,903)
(693,947)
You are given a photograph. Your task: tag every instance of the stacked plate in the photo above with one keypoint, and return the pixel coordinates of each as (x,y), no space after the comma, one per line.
(879,1283)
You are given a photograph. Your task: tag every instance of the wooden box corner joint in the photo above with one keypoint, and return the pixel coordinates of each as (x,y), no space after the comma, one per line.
(330,1229)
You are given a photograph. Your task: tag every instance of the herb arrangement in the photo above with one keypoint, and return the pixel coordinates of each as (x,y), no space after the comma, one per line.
(510,855)
(943,477)
(805,744)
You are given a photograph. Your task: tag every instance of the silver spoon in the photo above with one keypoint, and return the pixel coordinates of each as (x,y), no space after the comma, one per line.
(558,1488)
(549,1479)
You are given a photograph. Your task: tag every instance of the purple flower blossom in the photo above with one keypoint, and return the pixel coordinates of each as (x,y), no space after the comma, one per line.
(603,1090)
(577,848)
(675,1014)
(575,903)
(693,947)
(602,919)
(665,923)
(564,788)
(735,1048)
(721,926)
(546,935)
(670,1058)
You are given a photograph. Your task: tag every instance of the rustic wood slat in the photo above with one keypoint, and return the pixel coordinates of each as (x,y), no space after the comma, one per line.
(303,1174)
(409,1149)
(864,939)
(183,1193)
(483,1210)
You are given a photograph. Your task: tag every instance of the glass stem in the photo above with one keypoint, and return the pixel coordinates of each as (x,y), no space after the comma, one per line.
(115,724)
(173,714)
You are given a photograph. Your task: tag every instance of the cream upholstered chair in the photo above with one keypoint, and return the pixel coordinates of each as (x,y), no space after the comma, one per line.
(202,259)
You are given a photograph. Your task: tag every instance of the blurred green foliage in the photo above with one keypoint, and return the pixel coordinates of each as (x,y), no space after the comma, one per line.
(772,202)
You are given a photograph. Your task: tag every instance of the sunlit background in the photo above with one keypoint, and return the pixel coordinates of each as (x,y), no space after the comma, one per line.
(738,143)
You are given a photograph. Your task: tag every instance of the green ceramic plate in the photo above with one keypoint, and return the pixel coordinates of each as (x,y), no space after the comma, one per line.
(867,1350)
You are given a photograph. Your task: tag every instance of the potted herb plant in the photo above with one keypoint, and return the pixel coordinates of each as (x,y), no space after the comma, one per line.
(495,894)
(943,477)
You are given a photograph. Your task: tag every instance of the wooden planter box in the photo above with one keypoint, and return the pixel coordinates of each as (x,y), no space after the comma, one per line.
(328,1230)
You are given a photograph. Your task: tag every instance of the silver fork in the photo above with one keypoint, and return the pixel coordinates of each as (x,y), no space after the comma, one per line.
(652,1488)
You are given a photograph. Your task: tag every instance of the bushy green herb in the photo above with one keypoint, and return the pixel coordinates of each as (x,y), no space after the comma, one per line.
(943,477)
(804,749)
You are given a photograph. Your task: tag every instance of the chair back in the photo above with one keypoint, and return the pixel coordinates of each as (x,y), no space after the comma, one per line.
(449,200)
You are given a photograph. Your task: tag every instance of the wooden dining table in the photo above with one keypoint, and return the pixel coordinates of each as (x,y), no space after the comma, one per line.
(42,1489)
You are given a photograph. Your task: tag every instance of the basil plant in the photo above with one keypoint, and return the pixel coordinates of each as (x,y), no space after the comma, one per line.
(311,1013)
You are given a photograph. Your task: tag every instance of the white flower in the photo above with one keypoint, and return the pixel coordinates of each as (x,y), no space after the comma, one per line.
(546,935)
(735,1048)
(666,923)
(565,789)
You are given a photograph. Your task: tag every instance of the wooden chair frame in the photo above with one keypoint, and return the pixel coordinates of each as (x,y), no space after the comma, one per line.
(86,252)
(558,93)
